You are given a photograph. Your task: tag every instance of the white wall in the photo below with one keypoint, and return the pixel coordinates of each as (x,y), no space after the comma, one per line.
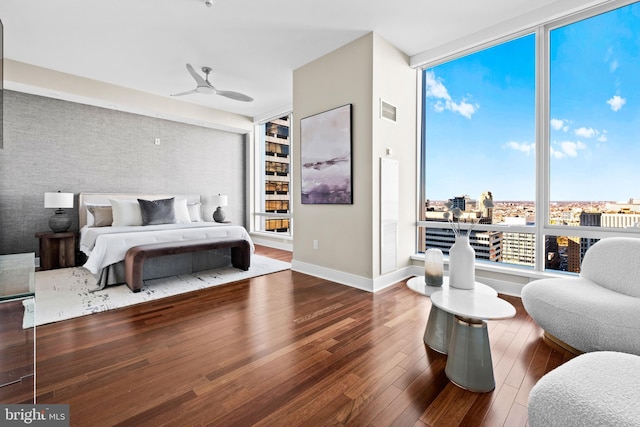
(348,235)
(395,82)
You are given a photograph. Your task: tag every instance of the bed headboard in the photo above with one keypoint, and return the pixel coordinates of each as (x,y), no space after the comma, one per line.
(85,199)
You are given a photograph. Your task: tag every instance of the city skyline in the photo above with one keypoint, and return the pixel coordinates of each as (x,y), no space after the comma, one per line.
(480,116)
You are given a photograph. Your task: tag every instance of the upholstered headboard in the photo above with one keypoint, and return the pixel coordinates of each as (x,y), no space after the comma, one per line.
(85,199)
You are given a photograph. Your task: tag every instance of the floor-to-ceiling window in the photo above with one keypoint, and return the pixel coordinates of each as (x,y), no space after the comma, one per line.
(274,201)
(479,139)
(544,125)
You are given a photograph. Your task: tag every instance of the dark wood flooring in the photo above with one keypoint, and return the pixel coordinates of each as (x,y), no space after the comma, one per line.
(284,349)
(16,355)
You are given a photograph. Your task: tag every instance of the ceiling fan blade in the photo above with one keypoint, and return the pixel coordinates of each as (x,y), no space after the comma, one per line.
(185,93)
(197,77)
(237,96)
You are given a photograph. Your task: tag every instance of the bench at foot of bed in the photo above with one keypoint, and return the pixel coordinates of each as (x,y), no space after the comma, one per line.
(136,256)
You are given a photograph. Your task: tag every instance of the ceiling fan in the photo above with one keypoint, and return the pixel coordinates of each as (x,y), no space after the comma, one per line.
(204,87)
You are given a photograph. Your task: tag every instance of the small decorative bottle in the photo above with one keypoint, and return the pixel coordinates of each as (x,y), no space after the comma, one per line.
(433,267)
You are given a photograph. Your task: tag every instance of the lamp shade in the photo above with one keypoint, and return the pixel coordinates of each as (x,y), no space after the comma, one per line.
(220,200)
(58,200)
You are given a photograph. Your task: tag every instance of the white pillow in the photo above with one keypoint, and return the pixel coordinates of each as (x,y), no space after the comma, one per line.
(194,212)
(126,212)
(181,211)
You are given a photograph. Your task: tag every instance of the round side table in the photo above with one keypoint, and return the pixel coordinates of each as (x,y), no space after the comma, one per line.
(469,363)
(437,333)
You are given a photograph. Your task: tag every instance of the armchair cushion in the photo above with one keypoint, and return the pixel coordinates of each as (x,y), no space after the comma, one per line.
(584,314)
(598,310)
(595,389)
(615,264)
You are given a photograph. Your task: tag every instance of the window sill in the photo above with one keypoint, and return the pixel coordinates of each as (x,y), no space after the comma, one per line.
(508,270)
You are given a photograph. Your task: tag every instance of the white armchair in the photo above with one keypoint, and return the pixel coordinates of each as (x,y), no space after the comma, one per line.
(599,309)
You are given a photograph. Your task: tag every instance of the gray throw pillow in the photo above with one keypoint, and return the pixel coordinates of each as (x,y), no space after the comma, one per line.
(157,211)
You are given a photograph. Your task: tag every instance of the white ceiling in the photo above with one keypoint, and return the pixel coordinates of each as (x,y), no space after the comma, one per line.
(253,46)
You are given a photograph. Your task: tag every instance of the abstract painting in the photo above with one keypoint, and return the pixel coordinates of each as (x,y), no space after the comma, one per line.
(325,153)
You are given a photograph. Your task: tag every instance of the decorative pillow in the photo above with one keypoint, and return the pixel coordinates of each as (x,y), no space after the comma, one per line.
(195,212)
(102,215)
(125,212)
(157,211)
(182,211)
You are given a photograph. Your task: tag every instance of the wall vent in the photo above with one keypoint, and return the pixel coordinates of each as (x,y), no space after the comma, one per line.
(387,111)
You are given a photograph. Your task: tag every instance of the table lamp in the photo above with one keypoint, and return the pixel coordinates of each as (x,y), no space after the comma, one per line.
(59,222)
(219,201)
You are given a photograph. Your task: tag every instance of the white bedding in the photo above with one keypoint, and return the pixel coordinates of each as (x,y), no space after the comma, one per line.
(109,245)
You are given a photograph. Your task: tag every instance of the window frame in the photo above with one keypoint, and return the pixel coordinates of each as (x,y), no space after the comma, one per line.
(542,227)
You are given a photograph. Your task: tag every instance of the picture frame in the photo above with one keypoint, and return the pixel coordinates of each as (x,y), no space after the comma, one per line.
(326,157)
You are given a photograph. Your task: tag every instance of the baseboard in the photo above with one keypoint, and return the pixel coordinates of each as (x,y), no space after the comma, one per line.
(270,242)
(501,286)
(394,277)
(355,281)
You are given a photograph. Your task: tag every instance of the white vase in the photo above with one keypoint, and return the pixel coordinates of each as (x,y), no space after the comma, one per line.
(462,258)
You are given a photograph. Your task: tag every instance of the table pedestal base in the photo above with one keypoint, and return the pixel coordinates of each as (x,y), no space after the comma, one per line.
(437,334)
(469,362)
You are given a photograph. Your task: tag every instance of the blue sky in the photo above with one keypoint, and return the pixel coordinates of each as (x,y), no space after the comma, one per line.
(480,116)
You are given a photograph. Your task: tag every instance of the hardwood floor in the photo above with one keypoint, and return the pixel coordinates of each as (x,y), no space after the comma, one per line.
(16,355)
(280,350)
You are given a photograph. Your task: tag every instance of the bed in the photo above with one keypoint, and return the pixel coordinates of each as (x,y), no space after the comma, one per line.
(112,223)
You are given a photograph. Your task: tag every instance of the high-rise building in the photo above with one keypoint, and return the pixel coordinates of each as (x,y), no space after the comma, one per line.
(518,248)
(573,254)
(277,178)
(590,219)
(461,202)
(552,259)
(487,244)
(620,220)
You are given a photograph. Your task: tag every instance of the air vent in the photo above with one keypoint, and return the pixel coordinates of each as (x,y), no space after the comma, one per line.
(387,111)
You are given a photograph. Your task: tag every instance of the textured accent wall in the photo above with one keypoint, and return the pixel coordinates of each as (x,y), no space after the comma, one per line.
(52,145)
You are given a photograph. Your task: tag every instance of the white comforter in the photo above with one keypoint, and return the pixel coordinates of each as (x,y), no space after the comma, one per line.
(109,245)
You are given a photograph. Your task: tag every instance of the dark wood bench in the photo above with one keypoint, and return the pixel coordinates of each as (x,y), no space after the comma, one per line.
(135,257)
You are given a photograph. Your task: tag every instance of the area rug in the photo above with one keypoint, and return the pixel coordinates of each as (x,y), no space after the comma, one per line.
(67,293)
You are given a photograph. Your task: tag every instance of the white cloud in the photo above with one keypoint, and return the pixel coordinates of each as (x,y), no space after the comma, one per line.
(436,89)
(464,108)
(556,123)
(571,148)
(567,149)
(613,65)
(616,102)
(586,132)
(560,124)
(603,136)
(525,147)
(556,154)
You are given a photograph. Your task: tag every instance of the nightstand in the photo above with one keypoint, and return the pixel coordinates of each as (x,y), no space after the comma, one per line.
(57,250)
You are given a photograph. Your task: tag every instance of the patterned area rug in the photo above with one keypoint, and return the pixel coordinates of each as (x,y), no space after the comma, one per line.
(66,293)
